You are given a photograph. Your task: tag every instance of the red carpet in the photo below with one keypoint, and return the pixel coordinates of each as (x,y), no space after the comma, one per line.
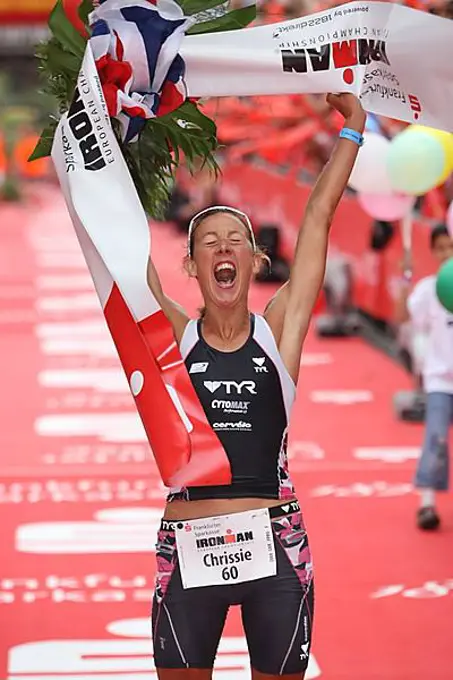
(80,499)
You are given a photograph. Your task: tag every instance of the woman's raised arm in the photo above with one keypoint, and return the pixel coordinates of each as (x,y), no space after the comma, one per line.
(172,310)
(289,312)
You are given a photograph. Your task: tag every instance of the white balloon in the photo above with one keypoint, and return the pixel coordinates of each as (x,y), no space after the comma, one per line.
(369,174)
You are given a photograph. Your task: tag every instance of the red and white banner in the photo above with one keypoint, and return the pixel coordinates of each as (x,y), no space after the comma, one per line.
(114,235)
(397,59)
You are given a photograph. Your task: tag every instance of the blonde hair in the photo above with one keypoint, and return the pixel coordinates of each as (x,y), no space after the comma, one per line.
(258,252)
(215,210)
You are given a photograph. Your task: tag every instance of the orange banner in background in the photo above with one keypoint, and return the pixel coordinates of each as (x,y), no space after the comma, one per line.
(24,11)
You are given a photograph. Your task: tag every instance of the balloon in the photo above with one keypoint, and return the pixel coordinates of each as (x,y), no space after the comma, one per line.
(450,219)
(446,139)
(71,8)
(370,173)
(387,207)
(444,285)
(415,162)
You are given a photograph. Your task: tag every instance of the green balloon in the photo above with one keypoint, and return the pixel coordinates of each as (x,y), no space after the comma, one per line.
(444,285)
(415,162)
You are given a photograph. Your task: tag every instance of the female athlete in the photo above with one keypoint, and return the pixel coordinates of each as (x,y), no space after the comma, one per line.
(244,368)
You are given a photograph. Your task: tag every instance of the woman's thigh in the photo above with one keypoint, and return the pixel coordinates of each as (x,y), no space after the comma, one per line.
(278,611)
(187,623)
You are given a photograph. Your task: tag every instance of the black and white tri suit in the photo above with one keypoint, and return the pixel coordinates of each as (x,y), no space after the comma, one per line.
(247,396)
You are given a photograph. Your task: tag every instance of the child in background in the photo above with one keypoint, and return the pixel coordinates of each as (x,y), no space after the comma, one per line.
(430,318)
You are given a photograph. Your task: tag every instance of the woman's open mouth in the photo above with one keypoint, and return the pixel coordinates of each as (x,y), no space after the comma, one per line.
(225,274)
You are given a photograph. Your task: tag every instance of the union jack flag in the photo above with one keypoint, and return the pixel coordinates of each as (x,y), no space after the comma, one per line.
(135,46)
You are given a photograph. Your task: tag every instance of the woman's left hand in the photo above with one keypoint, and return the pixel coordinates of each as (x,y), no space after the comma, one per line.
(349,106)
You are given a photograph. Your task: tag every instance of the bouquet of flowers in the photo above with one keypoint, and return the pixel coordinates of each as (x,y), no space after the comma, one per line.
(155,123)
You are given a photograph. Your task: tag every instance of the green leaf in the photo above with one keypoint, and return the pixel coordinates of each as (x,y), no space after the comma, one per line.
(189,111)
(194,6)
(64,31)
(150,161)
(232,21)
(44,145)
(85,9)
(60,60)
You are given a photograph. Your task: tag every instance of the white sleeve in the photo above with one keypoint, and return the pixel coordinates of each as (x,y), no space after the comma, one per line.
(418,304)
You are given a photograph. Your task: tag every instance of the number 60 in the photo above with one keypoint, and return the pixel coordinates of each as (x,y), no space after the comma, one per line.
(230,573)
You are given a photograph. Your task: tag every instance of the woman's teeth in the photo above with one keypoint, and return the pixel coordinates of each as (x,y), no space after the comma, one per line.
(225,273)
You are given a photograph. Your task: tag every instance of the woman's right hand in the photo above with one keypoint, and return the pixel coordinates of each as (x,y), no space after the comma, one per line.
(349,106)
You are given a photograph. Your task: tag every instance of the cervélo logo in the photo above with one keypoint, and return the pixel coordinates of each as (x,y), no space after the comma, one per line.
(344,54)
(239,426)
(82,129)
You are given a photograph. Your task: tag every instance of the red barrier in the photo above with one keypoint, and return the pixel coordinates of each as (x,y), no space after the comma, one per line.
(272,198)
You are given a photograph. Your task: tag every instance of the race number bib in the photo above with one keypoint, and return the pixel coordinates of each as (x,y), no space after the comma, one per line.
(216,551)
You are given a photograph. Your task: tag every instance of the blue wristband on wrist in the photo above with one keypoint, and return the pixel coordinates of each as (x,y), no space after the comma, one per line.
(352,135)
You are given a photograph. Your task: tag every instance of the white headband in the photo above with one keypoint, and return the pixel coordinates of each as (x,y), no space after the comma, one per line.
(195,221)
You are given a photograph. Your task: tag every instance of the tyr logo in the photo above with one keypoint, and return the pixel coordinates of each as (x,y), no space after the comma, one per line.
(231,386)
(259,365)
